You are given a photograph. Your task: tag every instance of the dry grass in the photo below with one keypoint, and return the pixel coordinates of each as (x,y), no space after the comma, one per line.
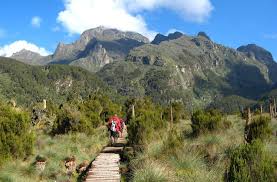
(197,159)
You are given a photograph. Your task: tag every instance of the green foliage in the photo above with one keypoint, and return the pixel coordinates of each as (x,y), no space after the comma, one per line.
(30,84)
(83,116)
(250,163)
(208,121)
(147,122)
(231,104)
(16,137)
(259,128)
(178,112)
(69,119)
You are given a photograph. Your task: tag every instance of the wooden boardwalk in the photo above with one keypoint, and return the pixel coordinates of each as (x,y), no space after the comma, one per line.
(105,167)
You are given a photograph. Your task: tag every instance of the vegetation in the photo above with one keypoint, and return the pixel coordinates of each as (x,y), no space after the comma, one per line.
(84,116)
(146,123)
(208,121)
(259,128)
(28,85)
(54,150)
(251,162)
(16,138)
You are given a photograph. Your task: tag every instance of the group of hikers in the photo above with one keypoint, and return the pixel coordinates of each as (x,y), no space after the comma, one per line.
(115,126)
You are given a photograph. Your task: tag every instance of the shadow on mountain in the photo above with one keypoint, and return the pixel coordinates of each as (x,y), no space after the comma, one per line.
(117,48)
(244,80)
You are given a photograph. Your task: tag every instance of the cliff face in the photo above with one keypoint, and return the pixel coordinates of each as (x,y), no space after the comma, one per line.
(97,47)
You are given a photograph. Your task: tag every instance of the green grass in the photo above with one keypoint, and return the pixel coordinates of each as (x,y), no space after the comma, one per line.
(55,150)
(203,158)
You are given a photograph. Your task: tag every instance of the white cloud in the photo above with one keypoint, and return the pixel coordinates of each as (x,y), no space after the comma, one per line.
(80,15)
(36,21)
(191,10)
(8,50)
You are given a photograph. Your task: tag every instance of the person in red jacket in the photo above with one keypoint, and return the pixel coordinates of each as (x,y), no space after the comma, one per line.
(114,126)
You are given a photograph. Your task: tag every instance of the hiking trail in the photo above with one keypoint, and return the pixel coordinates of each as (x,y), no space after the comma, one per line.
(105,167)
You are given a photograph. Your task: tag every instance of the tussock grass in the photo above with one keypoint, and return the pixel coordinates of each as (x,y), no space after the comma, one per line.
(187,158)
(55,150)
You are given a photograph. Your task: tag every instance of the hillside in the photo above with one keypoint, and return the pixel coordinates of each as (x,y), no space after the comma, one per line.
(194,70)
(27,84)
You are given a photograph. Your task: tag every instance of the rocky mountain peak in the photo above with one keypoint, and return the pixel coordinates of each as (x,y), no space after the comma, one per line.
(256,52)
(25,54)
(160,37)
(203,34)
(107,34)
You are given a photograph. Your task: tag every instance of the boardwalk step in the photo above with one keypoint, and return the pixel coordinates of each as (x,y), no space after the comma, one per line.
(105,167)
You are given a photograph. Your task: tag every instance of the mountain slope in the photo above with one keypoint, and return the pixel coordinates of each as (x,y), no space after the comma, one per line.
(194,70)
(27,84)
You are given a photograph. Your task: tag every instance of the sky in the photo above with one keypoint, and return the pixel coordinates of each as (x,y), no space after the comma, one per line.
(40,25)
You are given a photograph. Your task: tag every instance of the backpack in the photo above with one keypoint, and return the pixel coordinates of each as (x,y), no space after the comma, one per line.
(113,126)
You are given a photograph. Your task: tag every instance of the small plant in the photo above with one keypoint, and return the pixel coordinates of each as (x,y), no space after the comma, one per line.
(40,158)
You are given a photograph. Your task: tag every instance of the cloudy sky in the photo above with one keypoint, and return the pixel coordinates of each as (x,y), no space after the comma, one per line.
(40,25)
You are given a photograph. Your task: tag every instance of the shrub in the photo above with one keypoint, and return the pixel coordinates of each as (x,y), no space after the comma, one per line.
(16,137)
(178,112)
(258,129)
(146,123)
(250,162)
(71,120)
(207,121)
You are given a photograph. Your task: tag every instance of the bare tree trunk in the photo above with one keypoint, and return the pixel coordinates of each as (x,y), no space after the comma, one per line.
(44,104)
(261,109)
(133,111)
(270,110)
(248,119)
(274,108)
(171,116)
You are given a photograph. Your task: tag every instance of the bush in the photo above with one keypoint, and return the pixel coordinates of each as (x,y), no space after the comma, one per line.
(250,162)
(16,137)
(146,123)
(71,120)
(178,112)
(258,129)
(207,121)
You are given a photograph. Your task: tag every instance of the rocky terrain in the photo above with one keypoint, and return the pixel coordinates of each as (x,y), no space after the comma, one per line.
(95,48)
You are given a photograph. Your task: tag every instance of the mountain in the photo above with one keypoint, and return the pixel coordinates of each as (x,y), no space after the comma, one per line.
(94,49)
(29,84)
(30,57)
(256,52)
(262,55)
(160,37)
(191,69)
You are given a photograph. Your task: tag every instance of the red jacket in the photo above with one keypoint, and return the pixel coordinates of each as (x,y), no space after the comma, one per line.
(117,121)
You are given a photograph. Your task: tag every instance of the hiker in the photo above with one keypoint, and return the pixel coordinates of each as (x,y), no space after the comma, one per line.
(114,126)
